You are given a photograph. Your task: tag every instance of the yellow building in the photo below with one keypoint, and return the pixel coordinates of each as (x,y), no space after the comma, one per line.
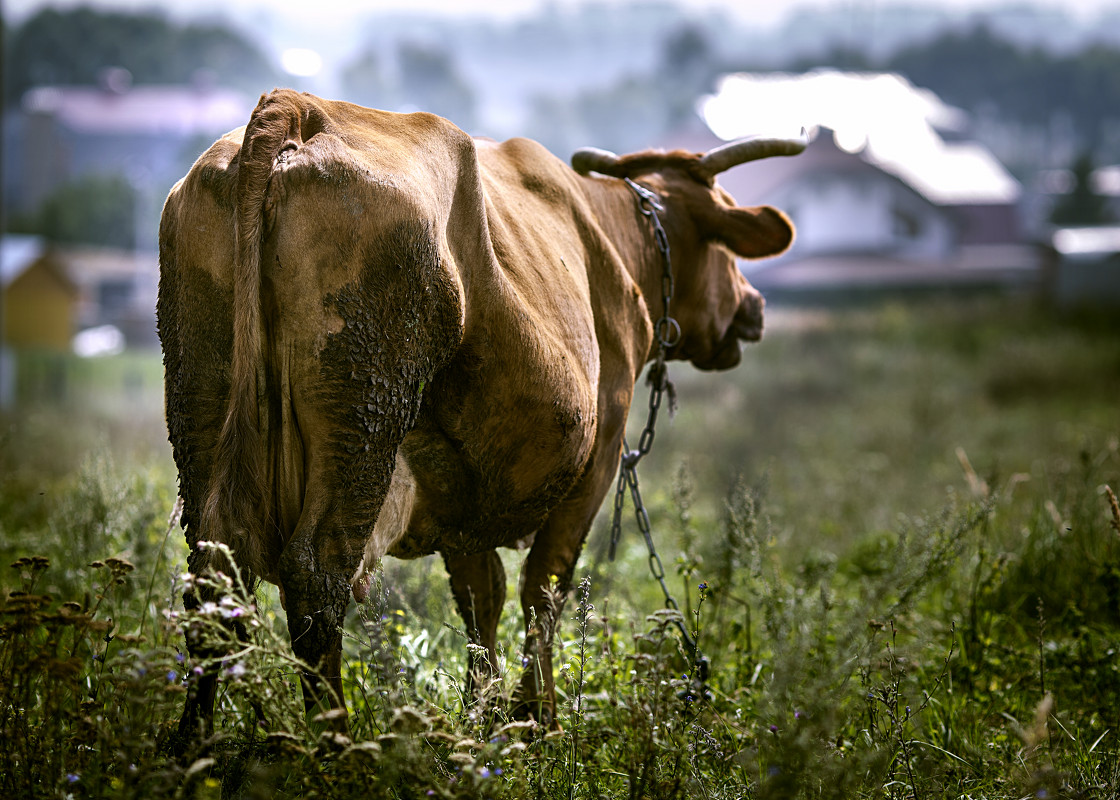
(39,297)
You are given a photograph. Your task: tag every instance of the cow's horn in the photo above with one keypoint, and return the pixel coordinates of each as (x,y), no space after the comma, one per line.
(592,159)
(741,151)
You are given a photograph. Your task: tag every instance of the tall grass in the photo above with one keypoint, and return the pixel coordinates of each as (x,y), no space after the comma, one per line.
(890,531)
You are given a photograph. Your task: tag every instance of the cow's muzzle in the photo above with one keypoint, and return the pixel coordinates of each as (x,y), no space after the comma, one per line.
(746,326)
(748,321)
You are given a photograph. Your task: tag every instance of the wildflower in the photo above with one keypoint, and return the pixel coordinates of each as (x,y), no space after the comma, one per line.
(703,586)
(484,773)
(179,657)
(71,777)
(230,609)
(237,670)
(773,729)
(797,715)
(497,770)
(172,676)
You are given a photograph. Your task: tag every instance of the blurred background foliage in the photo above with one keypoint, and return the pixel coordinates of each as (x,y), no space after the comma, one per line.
(74,47)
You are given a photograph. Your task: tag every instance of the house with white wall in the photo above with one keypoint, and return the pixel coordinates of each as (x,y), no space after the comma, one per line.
(889,191)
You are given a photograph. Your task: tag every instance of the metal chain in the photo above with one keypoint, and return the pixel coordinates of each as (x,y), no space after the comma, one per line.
(668,334)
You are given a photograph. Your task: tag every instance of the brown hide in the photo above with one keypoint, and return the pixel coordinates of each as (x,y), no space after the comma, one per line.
(383,337)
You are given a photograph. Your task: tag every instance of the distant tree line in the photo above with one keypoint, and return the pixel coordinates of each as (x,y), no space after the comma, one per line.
(75,47)
(94,209)
(973,69)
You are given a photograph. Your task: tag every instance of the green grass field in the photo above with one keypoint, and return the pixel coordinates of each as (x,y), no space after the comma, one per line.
(889,528)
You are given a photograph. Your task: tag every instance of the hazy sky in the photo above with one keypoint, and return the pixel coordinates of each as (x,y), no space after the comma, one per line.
(765,12)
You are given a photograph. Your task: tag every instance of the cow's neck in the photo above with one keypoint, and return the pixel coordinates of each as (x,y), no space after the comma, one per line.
(631,234)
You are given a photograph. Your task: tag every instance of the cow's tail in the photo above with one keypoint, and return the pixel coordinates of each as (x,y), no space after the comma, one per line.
(237,507)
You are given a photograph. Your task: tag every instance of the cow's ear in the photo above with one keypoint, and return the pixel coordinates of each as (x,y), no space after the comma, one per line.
(754,232)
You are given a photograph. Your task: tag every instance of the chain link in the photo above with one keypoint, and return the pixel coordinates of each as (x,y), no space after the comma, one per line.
(668,333)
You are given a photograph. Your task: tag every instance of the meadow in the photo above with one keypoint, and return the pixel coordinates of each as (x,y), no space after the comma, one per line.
(890,530)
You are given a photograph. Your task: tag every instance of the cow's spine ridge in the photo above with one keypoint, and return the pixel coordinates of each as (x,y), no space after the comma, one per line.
(236,511)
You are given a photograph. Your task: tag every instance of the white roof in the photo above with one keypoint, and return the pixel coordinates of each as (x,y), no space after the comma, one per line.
(17,253)
(881,116)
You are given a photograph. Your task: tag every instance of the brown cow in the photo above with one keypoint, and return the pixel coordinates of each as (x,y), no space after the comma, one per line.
(383,337)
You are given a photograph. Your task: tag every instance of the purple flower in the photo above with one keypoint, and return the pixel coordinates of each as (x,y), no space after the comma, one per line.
(773,729)
(71,778)
(172,675)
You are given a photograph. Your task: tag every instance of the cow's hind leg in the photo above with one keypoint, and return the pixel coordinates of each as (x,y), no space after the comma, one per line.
(478,583)
(196,723)
(315,572)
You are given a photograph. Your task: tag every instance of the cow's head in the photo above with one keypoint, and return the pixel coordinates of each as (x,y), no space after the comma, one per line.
(715,306)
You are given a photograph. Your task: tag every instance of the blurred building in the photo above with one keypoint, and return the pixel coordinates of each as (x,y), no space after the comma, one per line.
(116,288)
(40,299)
(52,293)
(890,192)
